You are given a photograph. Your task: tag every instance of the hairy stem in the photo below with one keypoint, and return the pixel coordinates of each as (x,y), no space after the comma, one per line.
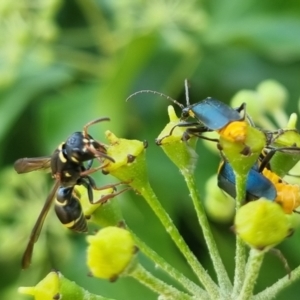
(220,270)
(162,264)
(272,291)
(252,270)
(165,219)
(158,286)
(240,252)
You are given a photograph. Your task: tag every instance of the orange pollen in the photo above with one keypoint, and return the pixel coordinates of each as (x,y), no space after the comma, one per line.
(235,131)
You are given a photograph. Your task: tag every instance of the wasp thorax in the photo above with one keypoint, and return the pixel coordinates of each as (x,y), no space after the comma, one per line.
(76,147)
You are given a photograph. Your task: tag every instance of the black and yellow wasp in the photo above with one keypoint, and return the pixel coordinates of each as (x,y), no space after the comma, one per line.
(68,169)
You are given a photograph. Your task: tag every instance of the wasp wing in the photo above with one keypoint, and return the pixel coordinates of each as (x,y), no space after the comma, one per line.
(25,165)
(26,260)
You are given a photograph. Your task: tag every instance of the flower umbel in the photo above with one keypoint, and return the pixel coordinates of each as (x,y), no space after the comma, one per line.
(246,151)
(110,253)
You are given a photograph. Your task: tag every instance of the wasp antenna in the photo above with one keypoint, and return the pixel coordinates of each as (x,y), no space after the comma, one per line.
(86,126)
(186,86)
(156,93)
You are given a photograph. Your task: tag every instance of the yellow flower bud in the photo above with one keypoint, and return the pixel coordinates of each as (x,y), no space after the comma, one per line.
(56,286)
(46,289)
(110,252)
(262,224)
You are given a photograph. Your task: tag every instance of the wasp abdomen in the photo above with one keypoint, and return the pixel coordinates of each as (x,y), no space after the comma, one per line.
(69,211)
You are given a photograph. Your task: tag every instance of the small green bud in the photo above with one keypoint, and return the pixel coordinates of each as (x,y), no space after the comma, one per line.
(292,122)
(182,153)
(130,163)
(289,138)
(289,135)
(110,253)
(242,156)
(283,162)
(252,100)
(262,224)
(219,206)
(273,94)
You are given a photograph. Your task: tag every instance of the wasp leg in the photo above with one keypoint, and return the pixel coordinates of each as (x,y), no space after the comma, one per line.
(107,197)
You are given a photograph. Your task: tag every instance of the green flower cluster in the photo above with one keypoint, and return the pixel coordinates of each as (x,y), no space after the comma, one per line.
(249,157)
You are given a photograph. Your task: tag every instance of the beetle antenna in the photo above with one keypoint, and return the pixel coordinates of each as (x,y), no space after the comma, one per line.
(156,93)
(186,86)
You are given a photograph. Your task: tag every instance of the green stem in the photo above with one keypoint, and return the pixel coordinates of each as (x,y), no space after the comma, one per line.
(163,265)
(241,180)
(220,270)
(165,219)
(271,292)
(240,252)
(253,265)
(158,286)
(240,263)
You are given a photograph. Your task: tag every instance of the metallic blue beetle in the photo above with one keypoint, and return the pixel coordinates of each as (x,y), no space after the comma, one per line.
(257,184)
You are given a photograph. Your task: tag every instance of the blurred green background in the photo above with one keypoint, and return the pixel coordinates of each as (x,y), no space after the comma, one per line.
(64,63)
